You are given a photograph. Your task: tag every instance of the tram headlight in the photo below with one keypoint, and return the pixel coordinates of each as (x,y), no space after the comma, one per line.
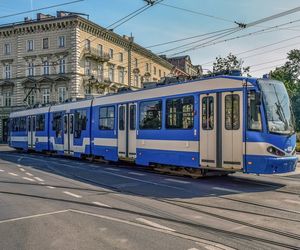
(275,151)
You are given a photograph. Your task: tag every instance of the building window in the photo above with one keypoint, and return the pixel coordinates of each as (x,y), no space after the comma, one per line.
(80,122)
(208,113)
(30,69)
(107,118)
(61,41)
(147,67)
(100,49)
(7,71)
(45,43)
(62,94)
(31,98)
(40,122)
(7,49)
(46,96)
(136,62)
(121,57)
(150,114)
(232,112)
(121,75)
(7,99)
(180,113)
(62,66)
(136,80)
(111,73)
(100,72)
(46,68)
(87,44)
(111,53)
(154,70)
(159,73)
(30,45)
(87,67)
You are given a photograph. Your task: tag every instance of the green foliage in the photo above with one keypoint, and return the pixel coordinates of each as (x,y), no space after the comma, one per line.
(231,62)
(289,74)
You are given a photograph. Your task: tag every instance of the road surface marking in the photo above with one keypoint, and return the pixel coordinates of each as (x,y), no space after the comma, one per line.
(226,189)
(71,194)
(153,224)
(22,169)
(178,181)
(1,170)
(38,179)
(33,216)
(29,174)
(135,173)
(13,174)
(50,187)
(238,228)
(28,179)
(292,201)
(19,165)
(100,204)
(113,169)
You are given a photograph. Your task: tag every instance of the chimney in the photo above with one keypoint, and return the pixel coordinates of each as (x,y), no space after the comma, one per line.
(62,13)
(40,16)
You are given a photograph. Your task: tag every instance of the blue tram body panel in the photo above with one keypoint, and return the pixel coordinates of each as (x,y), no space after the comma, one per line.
(78,131)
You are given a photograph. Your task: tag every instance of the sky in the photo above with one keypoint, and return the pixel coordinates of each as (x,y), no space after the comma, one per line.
(161,23)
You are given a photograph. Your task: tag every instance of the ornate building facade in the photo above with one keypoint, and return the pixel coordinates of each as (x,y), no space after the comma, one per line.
(56,58)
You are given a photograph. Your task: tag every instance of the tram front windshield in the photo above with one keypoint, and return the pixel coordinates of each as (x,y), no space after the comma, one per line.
(277,107)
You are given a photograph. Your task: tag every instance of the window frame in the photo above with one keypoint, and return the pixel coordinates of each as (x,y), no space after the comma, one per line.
(107,117)
(79,121)
(45,41)
(39,128)
(160,101)
(248,114)
(232,109)
(208,114)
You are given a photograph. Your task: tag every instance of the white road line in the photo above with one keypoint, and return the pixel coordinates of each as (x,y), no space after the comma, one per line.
(28,179)
(50,187)
(22,169)
(38,179)
(113,169)
(33,216)
(178,181)
(13,174)
(1,170)
(153,224)
(29,174)
(292,201)
(100,204)
(136,173)
(226,189)
(71,194)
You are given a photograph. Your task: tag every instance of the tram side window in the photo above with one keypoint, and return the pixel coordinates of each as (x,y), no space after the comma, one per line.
(132,124)
(208,113)
(122,118)
(107,118)
(40,122)
(150,114)
(180,113)
(232,112)
(80,122)
(57,124)
(254,114)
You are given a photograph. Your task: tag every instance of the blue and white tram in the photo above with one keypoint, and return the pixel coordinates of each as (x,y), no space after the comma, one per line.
(218,123)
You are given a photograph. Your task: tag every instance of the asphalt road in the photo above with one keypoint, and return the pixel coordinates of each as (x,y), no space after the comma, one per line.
(61,203)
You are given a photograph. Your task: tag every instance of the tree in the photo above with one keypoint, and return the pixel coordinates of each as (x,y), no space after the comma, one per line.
(229,63)
(289,74)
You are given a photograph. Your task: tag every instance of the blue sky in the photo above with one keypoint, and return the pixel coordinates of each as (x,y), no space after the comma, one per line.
(161,24)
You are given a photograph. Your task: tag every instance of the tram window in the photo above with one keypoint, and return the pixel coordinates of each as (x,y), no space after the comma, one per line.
(232,112)
(107,118)
(40,122)
(254,114)
(80,122)
(122,118)
(132,124)
(56,124)
(65,124)
(180,113)
(150,114)
(22,124)
(208,113)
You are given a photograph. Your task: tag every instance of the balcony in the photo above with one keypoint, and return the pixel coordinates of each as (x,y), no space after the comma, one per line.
(94,54)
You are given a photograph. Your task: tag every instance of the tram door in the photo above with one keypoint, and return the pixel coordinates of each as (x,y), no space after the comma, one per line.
(68,133)
(31,131)
(232,130)
(127,131)
(208,128)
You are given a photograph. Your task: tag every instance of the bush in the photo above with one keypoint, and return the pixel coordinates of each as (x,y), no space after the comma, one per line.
(298,147)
